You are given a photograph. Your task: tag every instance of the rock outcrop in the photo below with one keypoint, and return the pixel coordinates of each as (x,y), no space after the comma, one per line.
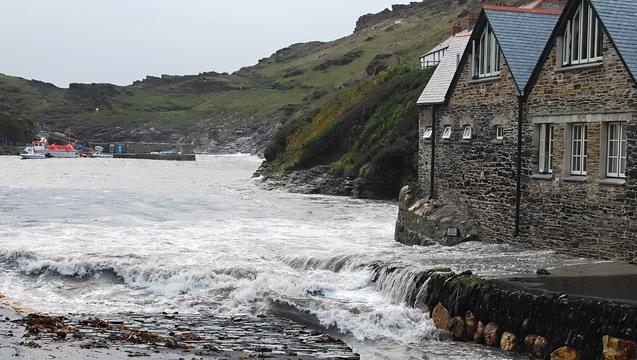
(428,222)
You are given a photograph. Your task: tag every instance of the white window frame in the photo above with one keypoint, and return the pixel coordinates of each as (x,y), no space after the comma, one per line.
(446,134)
(545,149)
(616,144)
(467,132)
(499,132)
(428,133)
(579,149)
(582,30)
(485,61)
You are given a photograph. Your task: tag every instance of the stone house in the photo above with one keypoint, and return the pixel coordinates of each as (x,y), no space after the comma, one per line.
(534,135)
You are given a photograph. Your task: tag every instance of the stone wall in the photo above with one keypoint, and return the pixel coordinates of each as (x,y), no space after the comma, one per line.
(593,216)
(478,174)
(590,216)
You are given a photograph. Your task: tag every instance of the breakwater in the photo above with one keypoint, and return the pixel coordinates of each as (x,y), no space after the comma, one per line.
(542,323)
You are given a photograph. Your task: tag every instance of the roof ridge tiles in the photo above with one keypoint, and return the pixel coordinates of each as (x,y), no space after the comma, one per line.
(522,10)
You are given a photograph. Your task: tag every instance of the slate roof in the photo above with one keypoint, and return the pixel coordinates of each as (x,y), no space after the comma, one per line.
(618,18)
(437,87)
(522,35)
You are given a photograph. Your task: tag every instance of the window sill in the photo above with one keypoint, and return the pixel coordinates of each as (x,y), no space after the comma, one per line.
(465,141)
(497,142)
(593,65)
(575,179)
(612,181)
(484,79)
(542,176)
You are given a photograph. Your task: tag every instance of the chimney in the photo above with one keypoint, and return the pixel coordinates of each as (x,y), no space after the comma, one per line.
(472,19)
(456,29)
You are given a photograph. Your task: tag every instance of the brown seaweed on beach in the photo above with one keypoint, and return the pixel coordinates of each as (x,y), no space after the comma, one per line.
(36,323)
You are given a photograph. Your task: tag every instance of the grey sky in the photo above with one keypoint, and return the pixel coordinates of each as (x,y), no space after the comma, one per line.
(119,41)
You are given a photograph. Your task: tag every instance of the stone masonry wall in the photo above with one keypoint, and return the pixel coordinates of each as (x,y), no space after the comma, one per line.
(594,216)
(478,174)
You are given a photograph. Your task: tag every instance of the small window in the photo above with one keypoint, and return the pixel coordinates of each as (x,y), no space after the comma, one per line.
(499,132)
(446,134)
(545,159)
(579,149)
(466,134)
(616,148)
(428,133)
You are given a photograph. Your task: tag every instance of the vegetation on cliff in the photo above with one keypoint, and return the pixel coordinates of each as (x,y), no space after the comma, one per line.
(238,111)
(368,131)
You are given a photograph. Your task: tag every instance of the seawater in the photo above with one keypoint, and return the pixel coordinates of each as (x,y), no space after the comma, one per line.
(105,236)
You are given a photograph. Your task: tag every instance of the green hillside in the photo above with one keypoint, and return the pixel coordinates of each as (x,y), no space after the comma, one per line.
(232,112)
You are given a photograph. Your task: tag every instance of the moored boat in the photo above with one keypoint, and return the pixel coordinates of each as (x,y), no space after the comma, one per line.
(29,154)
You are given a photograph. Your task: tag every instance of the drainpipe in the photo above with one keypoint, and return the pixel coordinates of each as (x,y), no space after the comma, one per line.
(518,180)
(432,194)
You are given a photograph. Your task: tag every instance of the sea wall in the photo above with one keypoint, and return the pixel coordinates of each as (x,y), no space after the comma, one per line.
(540,323)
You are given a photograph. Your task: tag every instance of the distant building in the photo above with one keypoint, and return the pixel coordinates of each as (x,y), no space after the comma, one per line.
(534,132)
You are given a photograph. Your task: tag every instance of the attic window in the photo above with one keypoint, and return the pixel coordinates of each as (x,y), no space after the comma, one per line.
(446,134)
(486,55)
(428,133)
(582,39)
(466,134)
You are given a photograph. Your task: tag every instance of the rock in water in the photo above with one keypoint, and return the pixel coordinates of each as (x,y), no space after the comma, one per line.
(471,325)
(479,335)
(565,353)
(491,334)
(619,349)
(536,345)
(441,318)
(508,341)
(457,327)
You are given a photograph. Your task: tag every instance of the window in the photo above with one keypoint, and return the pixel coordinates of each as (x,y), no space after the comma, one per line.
(579,149)
(616,150)
(499,132)
(582,39)
(428,133)
(466,134)
(545,159)
(446,134)
(486,55)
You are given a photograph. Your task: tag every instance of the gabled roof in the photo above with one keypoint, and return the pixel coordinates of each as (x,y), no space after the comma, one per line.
(618,18)
(522,35)
(438,85)
(512,28)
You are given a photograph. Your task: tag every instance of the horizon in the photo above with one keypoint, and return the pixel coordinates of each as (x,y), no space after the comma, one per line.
(154,38)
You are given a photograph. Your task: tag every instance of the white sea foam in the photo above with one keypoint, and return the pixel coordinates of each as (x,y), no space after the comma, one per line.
(202,237)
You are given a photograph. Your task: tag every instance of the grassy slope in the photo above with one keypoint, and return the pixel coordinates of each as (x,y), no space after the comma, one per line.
(288,85)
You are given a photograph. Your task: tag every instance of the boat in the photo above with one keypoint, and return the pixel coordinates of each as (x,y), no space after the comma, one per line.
(58,151)
(29,154)
(99,153)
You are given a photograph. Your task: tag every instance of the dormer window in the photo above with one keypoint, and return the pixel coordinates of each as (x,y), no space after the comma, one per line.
(486,55)
(582,39)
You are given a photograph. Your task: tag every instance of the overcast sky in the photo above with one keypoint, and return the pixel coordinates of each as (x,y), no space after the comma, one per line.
(119,41)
